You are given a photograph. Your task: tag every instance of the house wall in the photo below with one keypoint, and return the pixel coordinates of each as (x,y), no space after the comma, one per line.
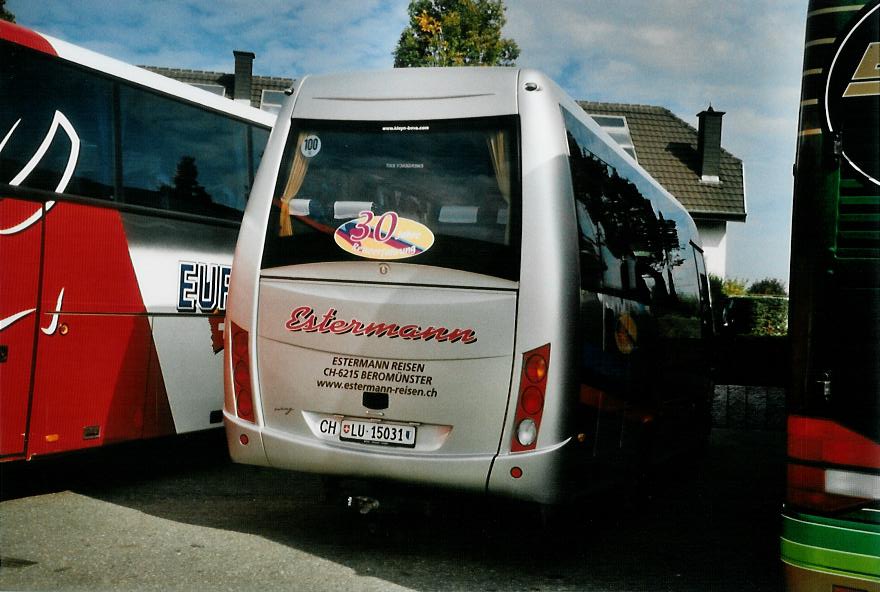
(714,236)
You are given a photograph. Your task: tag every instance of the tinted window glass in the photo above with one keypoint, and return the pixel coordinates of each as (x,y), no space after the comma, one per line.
(181,157)
(635,242)
(705,296)
(458,179)
(36,90)
(626,244)
(629,242)
(259,137)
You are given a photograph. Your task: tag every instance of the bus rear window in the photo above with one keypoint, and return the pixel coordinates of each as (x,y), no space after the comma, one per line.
(440,193)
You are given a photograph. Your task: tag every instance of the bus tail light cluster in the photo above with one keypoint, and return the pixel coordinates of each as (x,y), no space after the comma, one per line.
(830,467)
(530,403)
(241,374)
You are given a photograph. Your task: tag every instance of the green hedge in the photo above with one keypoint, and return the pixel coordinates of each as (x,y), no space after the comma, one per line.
(755,315)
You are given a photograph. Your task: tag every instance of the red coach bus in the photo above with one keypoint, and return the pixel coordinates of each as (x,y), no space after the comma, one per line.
(121,193)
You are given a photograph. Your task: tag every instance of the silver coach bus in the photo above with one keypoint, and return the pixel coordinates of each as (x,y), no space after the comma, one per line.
(454,277)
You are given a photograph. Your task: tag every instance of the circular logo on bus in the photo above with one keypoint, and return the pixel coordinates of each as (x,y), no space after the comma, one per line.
(852,94)
(387,236)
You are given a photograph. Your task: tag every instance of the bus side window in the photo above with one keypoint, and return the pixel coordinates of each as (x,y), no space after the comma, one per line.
(590,253)
(42,91)
(687,300)
(705,298)
(620,236)
(592,267)
(181,157)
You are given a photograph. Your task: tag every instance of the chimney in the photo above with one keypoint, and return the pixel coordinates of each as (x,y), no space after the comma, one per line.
(709,145)
(244,73)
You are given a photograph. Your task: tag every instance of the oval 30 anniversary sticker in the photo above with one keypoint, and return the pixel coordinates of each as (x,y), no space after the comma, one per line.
(387,236)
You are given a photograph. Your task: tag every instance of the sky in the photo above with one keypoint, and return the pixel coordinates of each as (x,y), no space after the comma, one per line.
(741,57)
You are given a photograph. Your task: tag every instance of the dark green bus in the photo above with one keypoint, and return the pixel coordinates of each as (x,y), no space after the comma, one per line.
(831,519)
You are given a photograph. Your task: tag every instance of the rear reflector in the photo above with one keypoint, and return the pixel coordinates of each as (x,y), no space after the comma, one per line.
(241,374)
(530,403)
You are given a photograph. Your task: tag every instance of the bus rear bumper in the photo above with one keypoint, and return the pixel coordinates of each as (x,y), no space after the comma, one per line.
(245,441)
(275,449)
(542,476)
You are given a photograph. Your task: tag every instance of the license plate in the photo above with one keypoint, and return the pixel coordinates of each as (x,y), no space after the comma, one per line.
(387,434)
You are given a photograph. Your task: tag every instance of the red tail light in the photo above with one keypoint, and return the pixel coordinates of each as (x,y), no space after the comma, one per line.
(830,467)
(530,403)
(241,374)
(825,441)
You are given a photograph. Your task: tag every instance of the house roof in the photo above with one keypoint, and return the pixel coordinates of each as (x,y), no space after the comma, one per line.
(666,147)
(226,80)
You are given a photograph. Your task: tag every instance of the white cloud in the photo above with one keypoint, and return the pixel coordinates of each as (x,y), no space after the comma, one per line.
(289,37)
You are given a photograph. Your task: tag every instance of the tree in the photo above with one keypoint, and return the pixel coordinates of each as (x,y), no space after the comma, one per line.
(187,192)
(455,33)
(5,15)
(768,287)
(734,287)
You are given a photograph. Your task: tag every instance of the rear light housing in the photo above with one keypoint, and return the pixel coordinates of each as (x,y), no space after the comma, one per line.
(830,467)
(241,374)
(530,400)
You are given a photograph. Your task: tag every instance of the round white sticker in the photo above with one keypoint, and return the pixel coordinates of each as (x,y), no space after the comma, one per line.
(311,146)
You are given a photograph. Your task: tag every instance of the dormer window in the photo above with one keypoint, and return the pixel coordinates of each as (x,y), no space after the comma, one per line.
(618,129)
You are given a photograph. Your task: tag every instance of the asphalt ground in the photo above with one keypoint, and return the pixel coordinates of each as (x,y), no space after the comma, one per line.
(177,515)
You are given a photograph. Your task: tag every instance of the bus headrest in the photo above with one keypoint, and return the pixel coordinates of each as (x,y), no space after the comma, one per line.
(458,215)
(299,207)
(346,210)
